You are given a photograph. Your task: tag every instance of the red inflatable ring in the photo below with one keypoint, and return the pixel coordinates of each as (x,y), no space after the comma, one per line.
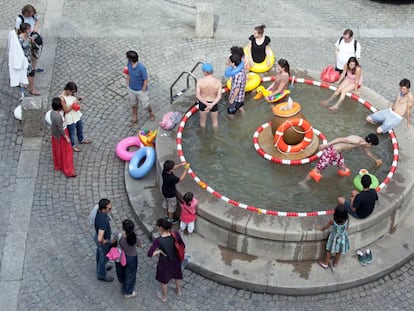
(307,130)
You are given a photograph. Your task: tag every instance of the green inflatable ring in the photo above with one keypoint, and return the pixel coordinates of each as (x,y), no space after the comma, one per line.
(358,185)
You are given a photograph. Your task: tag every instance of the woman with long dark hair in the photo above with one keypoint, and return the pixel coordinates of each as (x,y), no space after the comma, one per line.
(349,81)
(61,149)
(127,274)
(169,265)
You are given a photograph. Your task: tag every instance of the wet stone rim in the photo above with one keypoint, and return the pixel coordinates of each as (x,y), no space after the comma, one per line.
(194,109)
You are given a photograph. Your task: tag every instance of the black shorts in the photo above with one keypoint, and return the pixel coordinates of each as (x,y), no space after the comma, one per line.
(203,107)
(232,108)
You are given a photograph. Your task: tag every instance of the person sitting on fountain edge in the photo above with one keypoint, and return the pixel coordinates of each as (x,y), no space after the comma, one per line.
(332,154)
(361,204)
(391,117)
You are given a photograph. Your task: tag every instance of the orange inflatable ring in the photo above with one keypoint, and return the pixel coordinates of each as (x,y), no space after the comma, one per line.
(277,110)
(307,139)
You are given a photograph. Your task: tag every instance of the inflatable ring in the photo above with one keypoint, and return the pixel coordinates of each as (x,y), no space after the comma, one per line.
(307,130)
(263,66)
(138,171)
(122,147)
(273,98)
(253,81)
(277,110)
(358,185)
(147,137)
(232,71)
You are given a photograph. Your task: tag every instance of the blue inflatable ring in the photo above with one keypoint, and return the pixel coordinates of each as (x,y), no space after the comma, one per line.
(139,171)
(231,71)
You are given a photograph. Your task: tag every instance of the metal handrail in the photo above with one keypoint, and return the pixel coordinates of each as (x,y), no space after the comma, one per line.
(189,74)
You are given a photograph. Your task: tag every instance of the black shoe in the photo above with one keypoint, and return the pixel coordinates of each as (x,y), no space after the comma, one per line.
(109,268)
(107,279)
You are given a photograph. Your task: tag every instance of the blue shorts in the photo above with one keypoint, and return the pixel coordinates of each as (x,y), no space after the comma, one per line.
(387,117)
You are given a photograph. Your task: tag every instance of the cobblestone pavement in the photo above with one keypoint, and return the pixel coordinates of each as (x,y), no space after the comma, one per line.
(59,271)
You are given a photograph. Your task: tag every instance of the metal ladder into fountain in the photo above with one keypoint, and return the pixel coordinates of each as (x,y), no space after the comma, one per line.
(188,74)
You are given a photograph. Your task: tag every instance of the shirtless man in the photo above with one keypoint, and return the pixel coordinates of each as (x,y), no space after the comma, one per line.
(208,94)
(391,117)
(332,154)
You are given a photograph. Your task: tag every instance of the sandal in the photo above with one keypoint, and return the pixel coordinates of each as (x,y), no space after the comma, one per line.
(35,93)
(159,295)
(76,149)
(323,265)
(152,116)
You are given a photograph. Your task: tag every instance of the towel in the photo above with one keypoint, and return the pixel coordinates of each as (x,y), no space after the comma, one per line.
(18,62)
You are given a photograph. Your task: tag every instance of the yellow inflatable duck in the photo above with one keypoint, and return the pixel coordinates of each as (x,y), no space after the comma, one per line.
(261,91)
(147,137)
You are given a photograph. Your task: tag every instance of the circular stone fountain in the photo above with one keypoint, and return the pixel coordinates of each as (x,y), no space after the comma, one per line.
(281,234)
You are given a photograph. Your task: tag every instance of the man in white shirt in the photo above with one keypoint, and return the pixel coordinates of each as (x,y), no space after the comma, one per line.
(346,47)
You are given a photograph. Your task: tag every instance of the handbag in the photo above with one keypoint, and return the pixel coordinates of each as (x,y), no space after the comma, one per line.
(117,254)
(329,74)
(180,248)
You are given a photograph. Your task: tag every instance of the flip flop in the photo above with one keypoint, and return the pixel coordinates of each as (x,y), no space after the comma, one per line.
(323,265)
(159,295)
(35,93)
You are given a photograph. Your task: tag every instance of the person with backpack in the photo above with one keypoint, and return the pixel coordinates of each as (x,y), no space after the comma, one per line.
(24,39)
(29,16)
(346,47)
(169,261)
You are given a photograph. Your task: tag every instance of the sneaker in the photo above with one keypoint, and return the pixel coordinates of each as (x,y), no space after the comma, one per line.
(368,255)
(132,295)
(40,70)
(361,258)
(107,279)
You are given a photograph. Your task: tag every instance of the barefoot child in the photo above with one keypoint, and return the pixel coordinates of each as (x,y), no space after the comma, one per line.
(338,242)
(188,212)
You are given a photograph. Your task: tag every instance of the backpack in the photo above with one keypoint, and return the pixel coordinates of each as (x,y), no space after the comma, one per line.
(169,120)
(180,248)
(355,43)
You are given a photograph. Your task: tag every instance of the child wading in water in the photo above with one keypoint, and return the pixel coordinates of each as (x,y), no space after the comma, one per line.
(169,180)
(338,242)
(188,212)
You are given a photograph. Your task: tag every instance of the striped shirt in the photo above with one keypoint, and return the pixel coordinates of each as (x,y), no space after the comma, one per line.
(238,81)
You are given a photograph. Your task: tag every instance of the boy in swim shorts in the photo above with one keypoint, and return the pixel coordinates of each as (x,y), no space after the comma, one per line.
(332,154)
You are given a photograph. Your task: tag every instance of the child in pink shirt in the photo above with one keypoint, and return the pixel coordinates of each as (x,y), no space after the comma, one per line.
(188,212)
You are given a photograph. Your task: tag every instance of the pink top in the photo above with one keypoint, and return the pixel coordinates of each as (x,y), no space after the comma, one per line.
(188,212)
(351,76)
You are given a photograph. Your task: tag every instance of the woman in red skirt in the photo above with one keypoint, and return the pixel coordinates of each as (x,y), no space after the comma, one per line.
(61,147)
